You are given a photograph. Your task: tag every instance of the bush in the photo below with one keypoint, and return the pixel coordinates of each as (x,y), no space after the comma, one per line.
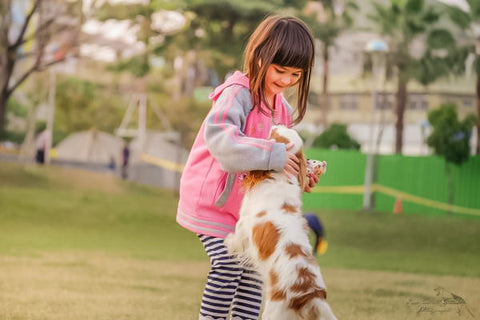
(451,136)
(336,136)
(16,137)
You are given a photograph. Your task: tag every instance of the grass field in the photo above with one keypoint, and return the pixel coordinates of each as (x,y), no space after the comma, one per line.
(79,245)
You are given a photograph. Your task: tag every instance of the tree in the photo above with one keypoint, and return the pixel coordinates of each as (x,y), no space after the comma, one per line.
(327,23)
(467,21)
(81,105)
(222,28)
(336,136)
(450,139)
(401,22)
(141,16)
(14,38)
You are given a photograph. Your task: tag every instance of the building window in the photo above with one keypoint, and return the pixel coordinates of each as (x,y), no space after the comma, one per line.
(385,101)
(418,102)
(467,103)
(313,98)
(348,101)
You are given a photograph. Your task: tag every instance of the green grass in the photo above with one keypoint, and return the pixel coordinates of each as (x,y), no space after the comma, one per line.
(61,209)
(445,245)
(79,245)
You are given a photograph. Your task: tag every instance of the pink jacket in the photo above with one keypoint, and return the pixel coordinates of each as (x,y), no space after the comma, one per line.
(231,140)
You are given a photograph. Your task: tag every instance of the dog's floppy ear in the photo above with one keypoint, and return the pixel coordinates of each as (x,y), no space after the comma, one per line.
(275,135)
(254,177)
(303,180)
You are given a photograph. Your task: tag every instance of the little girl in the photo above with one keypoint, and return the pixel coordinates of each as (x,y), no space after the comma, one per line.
(234,139)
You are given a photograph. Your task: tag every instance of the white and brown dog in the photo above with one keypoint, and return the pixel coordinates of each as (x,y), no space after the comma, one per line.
(273,235)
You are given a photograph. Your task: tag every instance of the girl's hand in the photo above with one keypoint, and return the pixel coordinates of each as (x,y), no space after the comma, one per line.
(312,182)
(291,165)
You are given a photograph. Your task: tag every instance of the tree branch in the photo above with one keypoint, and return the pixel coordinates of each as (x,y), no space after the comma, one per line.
(34,35)
(25,24)
(45,26)
(33,68)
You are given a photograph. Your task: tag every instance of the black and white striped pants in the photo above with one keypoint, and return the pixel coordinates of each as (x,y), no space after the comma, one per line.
(230,286)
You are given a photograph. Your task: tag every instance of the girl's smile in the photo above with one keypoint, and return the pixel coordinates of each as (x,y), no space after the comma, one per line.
(279,78)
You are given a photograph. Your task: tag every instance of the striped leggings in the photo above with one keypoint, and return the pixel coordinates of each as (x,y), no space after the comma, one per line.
(230,286)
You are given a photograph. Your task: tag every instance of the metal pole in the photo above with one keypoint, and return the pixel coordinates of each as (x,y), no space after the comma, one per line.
(377,48)
(367,195)
(51,115)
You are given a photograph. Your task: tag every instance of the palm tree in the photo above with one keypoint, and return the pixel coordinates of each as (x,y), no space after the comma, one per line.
(328,19)
(401,22)
(466,19)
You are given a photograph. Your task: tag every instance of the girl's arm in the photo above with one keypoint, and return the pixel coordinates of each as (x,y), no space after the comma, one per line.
(225,139)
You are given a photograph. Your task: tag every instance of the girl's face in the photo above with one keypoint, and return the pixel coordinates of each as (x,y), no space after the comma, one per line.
(279,78)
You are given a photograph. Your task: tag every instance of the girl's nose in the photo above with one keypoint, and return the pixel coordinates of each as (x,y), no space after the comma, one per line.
(286,80)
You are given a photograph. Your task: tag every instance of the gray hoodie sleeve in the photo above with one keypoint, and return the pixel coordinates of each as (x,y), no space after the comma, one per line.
(226,141)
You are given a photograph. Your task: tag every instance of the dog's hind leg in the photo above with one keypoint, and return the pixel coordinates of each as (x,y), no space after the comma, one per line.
(276,310)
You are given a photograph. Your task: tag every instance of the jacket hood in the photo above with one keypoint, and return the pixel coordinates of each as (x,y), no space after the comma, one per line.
(237,78)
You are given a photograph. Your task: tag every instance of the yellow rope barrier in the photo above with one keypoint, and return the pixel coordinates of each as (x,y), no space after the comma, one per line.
(170,165)
(398,195)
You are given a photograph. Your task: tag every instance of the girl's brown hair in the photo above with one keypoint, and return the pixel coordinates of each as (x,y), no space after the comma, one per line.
(285,41)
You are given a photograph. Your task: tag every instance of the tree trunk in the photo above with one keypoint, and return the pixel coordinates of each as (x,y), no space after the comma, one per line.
(6,70)
(324,94)
(478,115)
(3,109)
(401,103)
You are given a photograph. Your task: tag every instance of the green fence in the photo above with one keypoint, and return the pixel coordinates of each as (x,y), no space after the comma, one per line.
(419,182)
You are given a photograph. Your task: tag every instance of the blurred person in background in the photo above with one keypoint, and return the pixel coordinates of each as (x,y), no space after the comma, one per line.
(42,142)
(125,160)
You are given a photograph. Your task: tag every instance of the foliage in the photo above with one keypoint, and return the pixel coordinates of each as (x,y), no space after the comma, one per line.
(140,15)
(219,30)
(138,66)
(332,24)
(14,46)
(16,108)
(186,117)
(12,136)
(402,22)
(450,137)
(81,105)
(467,21)
(336,136)
(212,38)
(327,22)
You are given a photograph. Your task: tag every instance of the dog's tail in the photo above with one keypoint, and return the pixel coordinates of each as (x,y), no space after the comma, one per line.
(316,309)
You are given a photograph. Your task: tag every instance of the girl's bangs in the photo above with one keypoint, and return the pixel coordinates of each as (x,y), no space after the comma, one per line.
(294,51)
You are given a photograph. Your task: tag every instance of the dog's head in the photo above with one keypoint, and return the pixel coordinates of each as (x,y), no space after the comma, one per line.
(285,135)
(282,134)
